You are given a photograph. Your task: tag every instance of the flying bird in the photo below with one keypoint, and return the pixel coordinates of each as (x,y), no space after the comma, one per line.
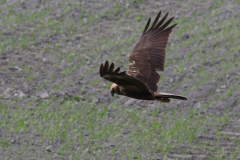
(147,57)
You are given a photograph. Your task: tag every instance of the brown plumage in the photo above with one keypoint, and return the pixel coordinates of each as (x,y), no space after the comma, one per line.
(147,57)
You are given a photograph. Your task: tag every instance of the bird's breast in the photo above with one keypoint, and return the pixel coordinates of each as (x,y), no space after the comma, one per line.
(134,92)
(124,89)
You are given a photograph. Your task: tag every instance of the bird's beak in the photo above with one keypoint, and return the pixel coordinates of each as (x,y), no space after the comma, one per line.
(112,93)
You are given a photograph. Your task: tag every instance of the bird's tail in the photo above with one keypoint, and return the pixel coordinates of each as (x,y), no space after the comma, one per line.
(165,97)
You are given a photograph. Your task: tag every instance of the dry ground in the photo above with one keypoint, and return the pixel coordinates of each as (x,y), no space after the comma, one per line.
(54,105)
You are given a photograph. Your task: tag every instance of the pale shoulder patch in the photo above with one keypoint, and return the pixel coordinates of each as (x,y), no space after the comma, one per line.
(165,93)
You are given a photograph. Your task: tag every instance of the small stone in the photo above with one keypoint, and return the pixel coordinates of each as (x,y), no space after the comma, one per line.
(218,90)
(112,145)
(85,134)
(2,82)
(85,20)
(60,93)
(223,86)
(7,93)
(55,156)
(44,59)
(19,69)
(13,141)
(16,68)
(129,28)
(96,100)
(186,36)
(21,94)
(171,80)
(227,76)
(49,148)
(22,130)
(198,105)
(43,95)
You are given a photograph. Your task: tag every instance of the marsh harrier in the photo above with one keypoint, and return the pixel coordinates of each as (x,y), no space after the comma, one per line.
(146,58)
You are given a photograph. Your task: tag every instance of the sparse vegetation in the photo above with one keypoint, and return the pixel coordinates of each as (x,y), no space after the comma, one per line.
(52,95)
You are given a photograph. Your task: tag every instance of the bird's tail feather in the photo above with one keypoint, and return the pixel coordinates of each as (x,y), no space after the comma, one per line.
(165,97)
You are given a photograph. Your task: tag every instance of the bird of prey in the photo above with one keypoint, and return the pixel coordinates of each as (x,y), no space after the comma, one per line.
(146,58)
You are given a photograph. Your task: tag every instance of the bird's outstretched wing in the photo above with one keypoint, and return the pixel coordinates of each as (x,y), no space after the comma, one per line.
(148,55)
(120,78)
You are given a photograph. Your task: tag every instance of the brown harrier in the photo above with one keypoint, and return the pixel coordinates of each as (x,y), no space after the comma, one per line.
(147,57)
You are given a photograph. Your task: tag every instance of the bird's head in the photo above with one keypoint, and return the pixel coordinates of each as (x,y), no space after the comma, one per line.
(114,89)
